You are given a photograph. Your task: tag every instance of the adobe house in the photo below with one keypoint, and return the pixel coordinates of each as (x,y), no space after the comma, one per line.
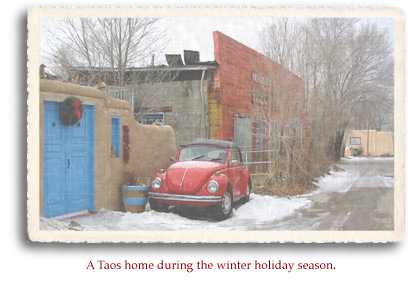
(379,143)
(241,96)
(84,164)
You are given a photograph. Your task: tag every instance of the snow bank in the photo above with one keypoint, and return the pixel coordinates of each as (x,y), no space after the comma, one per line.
(266,209)
(337,181)
(260,210)
(341,181)
(52,224)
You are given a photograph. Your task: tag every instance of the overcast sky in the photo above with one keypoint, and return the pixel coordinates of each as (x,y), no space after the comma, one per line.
(196,33)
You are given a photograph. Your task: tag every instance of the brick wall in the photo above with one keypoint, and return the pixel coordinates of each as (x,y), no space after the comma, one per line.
(243,71)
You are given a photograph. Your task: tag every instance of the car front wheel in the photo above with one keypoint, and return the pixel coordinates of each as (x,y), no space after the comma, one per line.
(224,208)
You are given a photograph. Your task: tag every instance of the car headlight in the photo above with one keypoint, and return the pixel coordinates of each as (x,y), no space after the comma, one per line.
(212,187)
(157,183)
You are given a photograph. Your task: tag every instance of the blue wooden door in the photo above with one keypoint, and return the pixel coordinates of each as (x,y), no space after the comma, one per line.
(68,178)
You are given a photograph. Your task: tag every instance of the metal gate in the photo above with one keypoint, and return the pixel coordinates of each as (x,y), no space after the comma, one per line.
(124,93)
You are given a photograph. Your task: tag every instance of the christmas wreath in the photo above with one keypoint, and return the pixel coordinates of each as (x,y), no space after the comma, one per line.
(71,111)
(126,143)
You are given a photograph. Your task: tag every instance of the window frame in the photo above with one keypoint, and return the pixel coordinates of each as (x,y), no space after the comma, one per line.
(355,138)
(150,121)
(235,154)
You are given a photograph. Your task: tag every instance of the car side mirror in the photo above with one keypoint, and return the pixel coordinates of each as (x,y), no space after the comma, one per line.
(234,162)
(172,159)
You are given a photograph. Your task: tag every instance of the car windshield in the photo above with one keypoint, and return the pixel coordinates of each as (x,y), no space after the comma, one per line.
(203,153)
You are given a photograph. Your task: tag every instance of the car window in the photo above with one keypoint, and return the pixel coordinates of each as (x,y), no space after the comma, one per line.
(235,155)
(203,153)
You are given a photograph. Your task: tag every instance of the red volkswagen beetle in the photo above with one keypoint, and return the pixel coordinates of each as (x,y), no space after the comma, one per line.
(205,173)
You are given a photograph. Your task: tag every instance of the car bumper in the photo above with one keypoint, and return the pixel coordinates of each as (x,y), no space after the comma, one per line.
(185,198)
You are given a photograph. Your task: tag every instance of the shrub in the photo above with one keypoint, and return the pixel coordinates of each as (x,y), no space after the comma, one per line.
(130,179)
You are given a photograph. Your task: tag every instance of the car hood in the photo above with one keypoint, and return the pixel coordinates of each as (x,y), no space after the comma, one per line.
(189,176)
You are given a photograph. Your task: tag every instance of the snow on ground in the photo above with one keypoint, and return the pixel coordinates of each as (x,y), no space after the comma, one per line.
(341,181)
(337,181)
(365,159)
(260,210)
(373,181)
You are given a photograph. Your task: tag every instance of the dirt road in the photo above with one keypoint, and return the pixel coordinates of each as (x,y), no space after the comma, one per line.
(368,203)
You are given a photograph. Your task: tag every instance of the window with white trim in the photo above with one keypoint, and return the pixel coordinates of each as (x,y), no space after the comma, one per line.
(355,140)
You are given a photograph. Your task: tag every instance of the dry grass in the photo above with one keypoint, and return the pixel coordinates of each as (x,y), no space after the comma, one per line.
(271,184)
(298,183)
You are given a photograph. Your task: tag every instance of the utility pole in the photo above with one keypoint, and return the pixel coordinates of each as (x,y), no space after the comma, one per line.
(368,130)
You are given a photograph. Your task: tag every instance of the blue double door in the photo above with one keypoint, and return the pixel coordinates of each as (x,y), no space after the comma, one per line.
(68,162)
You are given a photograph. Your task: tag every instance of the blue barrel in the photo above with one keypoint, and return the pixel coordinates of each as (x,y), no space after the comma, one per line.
(134,198)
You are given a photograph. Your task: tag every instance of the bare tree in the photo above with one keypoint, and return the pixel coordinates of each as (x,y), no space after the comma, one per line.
(103,43)
(281,42)
(347,71)
(125,53)
(353,73)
